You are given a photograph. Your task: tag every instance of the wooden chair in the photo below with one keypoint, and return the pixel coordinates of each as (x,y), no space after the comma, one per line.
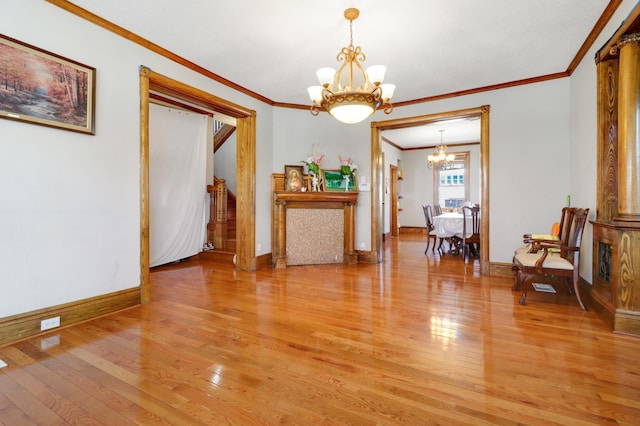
(533,241)
(564,263)
(469,240)
(437,209)
(431,233)
(561,236)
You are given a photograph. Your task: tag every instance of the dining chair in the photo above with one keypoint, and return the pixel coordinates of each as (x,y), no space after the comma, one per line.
(563,263)
(437,209)
(468,241)
(431,233)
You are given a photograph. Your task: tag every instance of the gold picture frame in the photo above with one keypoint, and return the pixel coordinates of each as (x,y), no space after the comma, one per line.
(294,178)
(46,88)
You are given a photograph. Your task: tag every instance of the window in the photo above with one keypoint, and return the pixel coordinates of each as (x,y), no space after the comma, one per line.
(452,185)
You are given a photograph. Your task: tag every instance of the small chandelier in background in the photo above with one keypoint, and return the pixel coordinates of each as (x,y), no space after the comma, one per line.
(351,94)
(441,160)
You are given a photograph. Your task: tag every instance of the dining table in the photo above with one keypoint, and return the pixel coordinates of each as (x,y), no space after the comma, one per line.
(449,224)
(446,225)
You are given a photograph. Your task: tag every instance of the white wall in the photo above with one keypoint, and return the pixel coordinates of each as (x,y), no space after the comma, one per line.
(417,186)
(225,162)
(295,131)
(529,155)
(70,202)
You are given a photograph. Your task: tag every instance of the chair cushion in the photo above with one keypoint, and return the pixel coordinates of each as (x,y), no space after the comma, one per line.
(525,249)
(544,237)
(553,260)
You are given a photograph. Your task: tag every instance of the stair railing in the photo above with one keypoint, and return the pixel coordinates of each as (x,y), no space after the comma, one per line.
(217,226)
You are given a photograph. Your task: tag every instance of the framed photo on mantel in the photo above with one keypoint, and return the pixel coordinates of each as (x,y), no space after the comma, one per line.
(334,181)
(293,178)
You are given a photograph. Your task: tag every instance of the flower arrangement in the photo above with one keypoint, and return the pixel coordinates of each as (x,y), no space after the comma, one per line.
(314,161)
(347,167)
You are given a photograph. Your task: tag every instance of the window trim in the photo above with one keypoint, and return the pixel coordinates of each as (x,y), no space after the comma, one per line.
(461,157)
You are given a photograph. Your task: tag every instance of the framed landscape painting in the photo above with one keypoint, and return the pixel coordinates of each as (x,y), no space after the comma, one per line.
(43,88)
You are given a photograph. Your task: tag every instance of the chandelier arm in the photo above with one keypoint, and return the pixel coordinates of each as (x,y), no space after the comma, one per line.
(326,94)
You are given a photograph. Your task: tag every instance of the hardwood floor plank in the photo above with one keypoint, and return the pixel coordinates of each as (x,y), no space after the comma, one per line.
(413,340)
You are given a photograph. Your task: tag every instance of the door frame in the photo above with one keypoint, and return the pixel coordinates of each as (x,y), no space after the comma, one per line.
(245,167)
(377,168)
(393,199)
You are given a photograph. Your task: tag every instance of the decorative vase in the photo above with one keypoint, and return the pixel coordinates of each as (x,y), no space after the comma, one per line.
(346,179)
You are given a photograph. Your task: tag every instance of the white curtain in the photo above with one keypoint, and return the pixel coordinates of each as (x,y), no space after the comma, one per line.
(177,184)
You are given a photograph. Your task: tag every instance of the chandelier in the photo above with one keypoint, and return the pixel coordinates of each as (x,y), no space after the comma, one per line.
(441,160)
(351,94)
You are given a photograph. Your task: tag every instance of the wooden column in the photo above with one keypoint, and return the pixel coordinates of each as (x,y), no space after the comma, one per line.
(350,256)
(281,233)
(629,129)
(607,178)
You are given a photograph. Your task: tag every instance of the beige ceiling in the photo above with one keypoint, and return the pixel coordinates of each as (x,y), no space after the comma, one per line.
(431,47)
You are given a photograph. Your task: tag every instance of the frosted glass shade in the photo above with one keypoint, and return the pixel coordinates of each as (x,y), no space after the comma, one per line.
(326,75)
(351,114)
(387,91)
(315,93)
(376,73)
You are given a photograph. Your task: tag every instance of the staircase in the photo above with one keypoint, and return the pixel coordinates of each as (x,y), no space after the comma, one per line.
(221,229)
(230,240)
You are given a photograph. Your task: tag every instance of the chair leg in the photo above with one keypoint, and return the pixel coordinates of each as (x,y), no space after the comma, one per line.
(524,281)
(515,272)
(569,283)
(576,289)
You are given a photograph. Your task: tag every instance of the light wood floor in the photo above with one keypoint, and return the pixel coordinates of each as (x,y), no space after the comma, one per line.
(415,340)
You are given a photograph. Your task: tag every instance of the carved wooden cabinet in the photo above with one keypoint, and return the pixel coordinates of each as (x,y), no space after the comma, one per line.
(615,292)
(616,276)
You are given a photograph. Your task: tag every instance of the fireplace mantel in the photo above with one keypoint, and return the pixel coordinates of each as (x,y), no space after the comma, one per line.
(283,201)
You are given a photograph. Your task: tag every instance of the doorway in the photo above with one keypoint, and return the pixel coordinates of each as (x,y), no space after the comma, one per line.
(393,174)
(245,166)
(377,170)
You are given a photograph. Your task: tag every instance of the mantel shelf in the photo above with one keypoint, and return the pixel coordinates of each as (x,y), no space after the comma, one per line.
(320,196)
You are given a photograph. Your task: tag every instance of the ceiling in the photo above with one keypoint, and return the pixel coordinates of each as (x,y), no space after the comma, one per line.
(431,47)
